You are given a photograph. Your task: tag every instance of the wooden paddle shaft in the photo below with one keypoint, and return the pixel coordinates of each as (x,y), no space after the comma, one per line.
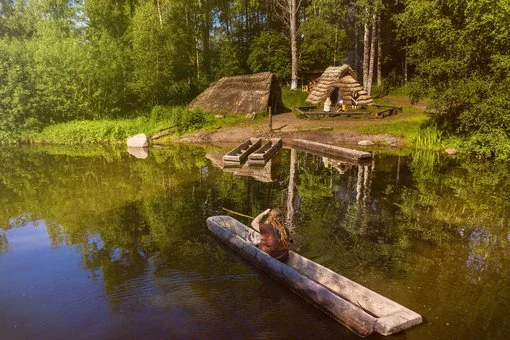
(235,212)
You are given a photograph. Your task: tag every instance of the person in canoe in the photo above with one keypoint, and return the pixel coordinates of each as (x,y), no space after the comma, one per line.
(274,237)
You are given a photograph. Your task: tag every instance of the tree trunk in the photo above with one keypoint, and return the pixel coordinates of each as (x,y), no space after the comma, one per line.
(366,53)
(405,63)
(159,14)
(372,55)
(379,51)
(293,44)
(356,47)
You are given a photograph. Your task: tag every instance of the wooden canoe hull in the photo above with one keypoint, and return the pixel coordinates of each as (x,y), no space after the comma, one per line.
(262,155)
(355,306)
(239,154)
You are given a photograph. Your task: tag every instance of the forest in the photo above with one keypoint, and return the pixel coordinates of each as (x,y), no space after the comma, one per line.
(72,60)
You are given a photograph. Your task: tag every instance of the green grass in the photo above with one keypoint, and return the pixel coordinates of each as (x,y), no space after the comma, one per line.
(406,129)
(93,132)
(178,120)
(405,124)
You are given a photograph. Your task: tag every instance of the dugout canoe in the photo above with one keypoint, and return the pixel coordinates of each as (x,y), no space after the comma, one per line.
(265,152)
(357,307)
(238,155)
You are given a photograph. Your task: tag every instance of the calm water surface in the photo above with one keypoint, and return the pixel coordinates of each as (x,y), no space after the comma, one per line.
(100,244)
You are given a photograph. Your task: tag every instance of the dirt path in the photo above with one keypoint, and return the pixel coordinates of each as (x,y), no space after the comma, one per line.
(287,126)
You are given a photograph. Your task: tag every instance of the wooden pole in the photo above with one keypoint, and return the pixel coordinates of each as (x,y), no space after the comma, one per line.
(236,213)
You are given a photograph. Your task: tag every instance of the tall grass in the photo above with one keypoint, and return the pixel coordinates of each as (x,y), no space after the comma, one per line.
(177,120)
(428,137)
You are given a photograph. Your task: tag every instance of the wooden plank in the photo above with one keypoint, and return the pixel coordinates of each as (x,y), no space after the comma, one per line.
(241,153)
(348,302)
(308,111)
(331,150)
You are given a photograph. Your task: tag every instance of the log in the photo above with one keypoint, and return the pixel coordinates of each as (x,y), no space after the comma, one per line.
(348,302)
(331,150)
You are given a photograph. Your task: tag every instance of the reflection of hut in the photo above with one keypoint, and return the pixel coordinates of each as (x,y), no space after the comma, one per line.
(258,92)
(338,82)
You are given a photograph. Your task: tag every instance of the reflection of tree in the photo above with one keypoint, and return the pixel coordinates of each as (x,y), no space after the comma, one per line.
(428,221)
(4,244)
(470,203)
(120,212)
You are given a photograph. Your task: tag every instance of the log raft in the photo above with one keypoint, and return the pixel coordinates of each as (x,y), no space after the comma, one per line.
(348,302)
(330,150)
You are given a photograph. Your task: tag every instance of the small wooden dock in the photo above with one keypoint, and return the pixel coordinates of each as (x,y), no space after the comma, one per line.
(330,150)
(262,155)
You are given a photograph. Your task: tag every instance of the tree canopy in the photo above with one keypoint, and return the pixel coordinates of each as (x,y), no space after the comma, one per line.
(93,59)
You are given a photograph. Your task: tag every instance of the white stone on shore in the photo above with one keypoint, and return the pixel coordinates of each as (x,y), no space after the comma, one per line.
(451,151)
(366,143)
(138,141)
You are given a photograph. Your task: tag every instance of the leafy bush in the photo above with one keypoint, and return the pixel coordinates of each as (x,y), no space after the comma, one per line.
(187,120)
(292,99)
(160,113)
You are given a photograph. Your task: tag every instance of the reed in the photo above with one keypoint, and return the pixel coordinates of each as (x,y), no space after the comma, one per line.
(428,137)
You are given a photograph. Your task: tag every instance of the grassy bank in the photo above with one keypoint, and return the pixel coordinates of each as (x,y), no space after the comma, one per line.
(175,120)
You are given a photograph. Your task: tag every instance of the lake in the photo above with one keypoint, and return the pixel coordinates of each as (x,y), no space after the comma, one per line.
(97,243)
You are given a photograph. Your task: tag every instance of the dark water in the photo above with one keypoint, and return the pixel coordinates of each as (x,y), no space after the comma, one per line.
(99,244)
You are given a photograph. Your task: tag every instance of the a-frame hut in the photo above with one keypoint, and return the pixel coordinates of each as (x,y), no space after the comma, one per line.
(338,82)
(243,94)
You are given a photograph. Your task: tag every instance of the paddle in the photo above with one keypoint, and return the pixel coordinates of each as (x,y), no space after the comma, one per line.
(236,213)
(243,215)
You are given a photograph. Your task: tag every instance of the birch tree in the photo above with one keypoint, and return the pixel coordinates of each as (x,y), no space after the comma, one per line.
(287,11)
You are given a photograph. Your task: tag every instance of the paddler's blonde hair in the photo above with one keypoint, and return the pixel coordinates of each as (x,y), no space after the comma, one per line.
(274,218)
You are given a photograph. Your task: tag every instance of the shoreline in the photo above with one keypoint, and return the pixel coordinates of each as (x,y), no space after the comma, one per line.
(286,126)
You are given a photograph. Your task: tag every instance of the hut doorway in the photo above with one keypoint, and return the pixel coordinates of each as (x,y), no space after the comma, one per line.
(335,95)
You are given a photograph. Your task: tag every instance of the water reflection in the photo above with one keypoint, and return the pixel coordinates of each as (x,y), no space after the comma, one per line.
(428,231)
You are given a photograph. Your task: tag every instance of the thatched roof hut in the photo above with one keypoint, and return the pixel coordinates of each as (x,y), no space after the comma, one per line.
(338,82)
(258,92)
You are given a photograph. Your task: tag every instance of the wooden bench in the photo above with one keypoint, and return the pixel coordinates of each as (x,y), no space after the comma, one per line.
(309,113)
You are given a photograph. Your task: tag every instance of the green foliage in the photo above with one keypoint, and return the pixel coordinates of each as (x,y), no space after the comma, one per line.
(324,37)
(187,120)
(461,52)
(292,99)
(226,60)
(270,52)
